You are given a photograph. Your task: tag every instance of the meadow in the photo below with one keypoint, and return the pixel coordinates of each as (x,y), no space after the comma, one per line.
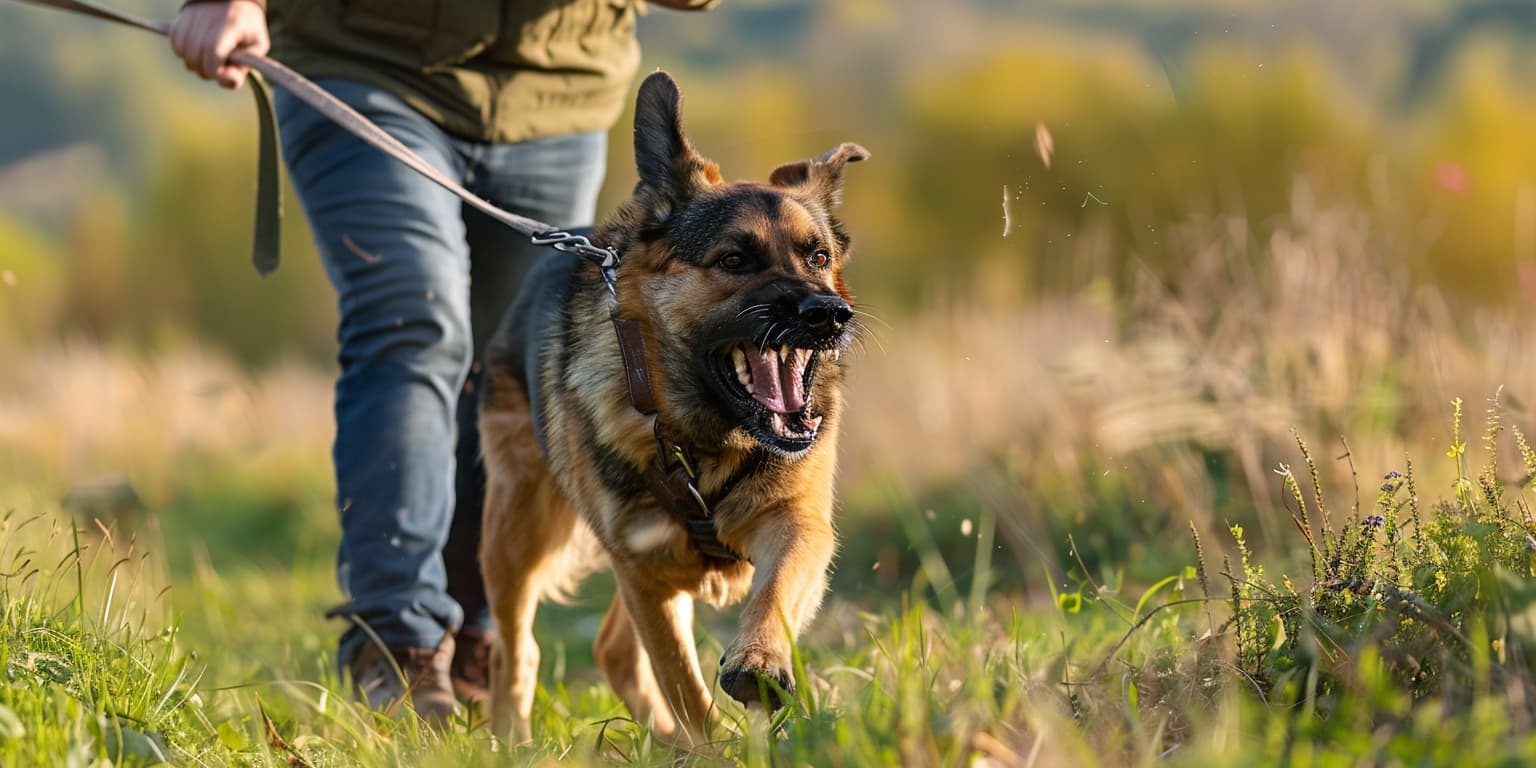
(1216,454)
(1075,595)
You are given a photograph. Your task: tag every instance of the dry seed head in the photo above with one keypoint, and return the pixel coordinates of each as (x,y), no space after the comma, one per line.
(1205,585)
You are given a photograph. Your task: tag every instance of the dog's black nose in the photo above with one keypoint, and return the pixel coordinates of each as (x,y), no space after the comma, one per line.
(824,315)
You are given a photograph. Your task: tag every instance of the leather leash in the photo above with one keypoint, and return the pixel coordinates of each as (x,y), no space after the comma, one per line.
(265,253)
(672,478)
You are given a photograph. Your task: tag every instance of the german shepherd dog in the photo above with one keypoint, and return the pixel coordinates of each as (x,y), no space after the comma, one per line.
(735,299)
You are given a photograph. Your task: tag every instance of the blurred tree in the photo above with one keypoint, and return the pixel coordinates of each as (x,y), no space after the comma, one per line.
(96,304)
(947,96)
(30,284)
(189,256)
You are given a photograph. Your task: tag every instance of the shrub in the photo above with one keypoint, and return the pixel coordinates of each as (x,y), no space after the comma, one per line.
(1418,598)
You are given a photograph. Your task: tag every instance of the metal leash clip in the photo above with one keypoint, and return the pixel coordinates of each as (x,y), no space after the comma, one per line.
(606,258)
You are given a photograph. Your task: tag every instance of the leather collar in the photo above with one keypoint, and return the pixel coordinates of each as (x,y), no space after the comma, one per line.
(672,477)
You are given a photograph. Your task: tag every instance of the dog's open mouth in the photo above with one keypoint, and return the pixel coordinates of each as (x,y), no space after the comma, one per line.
(773,387)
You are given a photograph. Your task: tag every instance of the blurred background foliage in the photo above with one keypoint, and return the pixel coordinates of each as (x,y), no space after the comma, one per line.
(126,183)
(1255,217)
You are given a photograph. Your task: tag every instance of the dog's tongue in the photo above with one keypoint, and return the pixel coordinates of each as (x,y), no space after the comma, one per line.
(778,382)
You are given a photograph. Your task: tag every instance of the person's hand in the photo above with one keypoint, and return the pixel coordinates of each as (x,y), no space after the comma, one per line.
(205,34)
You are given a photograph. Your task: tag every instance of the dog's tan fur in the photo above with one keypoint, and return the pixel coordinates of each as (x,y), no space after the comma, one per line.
(551,519)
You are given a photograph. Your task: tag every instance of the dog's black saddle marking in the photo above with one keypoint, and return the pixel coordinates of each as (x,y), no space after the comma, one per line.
(533,319)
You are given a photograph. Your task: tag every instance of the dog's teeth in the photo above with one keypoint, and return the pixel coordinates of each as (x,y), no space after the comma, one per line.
(743,373)
(784,353)
(837,354)
(778,424)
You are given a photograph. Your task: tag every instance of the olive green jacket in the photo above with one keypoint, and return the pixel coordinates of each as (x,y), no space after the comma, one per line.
(486,70)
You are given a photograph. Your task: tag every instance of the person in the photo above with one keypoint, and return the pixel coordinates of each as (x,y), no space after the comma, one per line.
(513,99)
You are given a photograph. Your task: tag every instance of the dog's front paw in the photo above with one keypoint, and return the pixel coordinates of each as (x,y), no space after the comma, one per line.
(757,675)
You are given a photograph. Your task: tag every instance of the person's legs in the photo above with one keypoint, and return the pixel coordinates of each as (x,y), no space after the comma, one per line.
(553,180)
(394,248)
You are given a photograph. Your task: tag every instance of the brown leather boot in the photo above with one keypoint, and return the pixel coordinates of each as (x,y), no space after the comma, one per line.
(471,668)
(382,680)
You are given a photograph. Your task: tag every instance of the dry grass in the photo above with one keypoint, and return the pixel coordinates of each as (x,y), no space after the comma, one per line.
(1312,322)
(1171,402)
(76,411)
(1304,323)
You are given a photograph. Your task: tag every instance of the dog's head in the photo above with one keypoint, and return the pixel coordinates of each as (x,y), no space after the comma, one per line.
(739,284)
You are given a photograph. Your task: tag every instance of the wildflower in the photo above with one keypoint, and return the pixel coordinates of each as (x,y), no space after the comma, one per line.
(1373,521)
(1388,487)
(1394,475)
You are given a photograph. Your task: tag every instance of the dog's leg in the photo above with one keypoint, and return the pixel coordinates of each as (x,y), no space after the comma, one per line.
(527,527)
(628,669)
(663,620)
(791,555)
(519,564)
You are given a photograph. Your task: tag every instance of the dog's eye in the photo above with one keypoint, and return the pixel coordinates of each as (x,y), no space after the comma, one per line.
(819,258)
(732,262)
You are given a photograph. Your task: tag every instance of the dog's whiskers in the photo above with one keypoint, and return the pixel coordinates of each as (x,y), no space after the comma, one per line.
(767,332)
(872,316)
(754,307)
(861,332)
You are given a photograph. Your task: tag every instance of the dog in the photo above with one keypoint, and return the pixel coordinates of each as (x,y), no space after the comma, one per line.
(678,426)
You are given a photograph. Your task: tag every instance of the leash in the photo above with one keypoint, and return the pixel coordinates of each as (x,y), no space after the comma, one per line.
(672,478)
(265,251)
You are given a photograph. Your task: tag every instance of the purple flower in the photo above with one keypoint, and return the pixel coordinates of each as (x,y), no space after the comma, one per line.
(1373,521)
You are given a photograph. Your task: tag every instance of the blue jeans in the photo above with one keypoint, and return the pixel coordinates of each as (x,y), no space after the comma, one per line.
(420,281)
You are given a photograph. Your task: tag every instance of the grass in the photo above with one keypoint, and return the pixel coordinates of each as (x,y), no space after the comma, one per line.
(1071,549)
(103,664)
(1406,639)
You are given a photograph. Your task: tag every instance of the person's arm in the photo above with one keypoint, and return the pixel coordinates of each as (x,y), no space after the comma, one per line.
(204,34)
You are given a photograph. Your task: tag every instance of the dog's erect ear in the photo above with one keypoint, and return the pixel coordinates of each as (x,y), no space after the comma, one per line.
(823,174)
(668,164)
